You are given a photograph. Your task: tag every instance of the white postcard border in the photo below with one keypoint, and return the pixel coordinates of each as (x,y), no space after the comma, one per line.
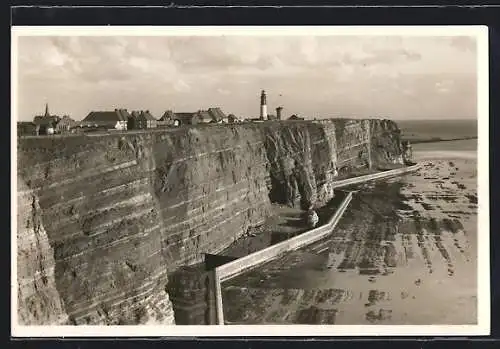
(483,325)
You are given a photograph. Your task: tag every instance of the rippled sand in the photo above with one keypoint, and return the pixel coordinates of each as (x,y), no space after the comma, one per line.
(404,253)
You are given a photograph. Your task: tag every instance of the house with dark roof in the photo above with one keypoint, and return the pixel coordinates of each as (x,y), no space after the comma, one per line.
(26,128)
(231,118)
(295,117)
(141,120)
(167,119)
(217,115)
(184,118)
(205,116)
(116,119)
(45,124)
(212,115)
(65,124)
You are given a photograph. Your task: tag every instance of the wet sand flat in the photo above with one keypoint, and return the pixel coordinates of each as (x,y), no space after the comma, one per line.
(403,253)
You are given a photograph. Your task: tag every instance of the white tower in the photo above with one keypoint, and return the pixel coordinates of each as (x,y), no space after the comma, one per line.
(263,105)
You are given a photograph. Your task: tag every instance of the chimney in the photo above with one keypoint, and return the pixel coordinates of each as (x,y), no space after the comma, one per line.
(278,113)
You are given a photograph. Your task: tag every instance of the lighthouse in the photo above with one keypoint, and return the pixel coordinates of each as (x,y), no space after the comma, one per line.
(263,105)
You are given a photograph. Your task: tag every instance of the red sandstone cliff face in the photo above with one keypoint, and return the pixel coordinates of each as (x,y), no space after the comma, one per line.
(122,211)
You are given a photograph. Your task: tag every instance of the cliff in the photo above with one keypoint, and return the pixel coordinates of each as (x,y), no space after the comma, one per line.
(121,211)
(38,300)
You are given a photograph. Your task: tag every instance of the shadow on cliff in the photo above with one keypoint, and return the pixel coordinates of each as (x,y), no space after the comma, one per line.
(289,151)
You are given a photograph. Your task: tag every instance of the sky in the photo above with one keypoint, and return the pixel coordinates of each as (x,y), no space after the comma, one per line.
(394,77)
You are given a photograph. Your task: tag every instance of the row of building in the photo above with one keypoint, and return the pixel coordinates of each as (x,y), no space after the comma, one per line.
(46,124)
(122,119)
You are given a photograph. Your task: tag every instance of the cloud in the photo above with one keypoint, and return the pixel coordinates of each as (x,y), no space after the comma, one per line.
(382,56)
(307,74)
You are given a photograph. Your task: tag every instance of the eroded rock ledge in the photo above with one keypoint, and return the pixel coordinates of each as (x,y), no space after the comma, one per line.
(121,211)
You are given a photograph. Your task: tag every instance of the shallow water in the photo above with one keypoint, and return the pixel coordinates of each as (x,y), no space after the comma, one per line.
(447,149)
(404,253)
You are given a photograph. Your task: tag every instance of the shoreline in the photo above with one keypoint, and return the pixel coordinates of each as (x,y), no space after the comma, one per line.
(439,140)
(400,239)
(288,222)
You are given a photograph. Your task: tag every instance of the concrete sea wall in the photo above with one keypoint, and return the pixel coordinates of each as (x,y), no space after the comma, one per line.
(122,211)
(375,176)
(231,269)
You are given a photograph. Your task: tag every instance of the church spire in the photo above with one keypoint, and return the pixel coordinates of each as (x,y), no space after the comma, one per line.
(47,110)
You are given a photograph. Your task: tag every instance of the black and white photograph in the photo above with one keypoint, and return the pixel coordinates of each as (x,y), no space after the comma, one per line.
(233,180)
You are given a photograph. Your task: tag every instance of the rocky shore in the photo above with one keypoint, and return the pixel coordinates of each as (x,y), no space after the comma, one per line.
(404,253)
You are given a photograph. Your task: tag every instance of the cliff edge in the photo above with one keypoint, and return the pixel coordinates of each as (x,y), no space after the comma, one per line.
(121,211)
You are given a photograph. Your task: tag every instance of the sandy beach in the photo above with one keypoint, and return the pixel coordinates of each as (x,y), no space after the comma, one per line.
(405,252)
